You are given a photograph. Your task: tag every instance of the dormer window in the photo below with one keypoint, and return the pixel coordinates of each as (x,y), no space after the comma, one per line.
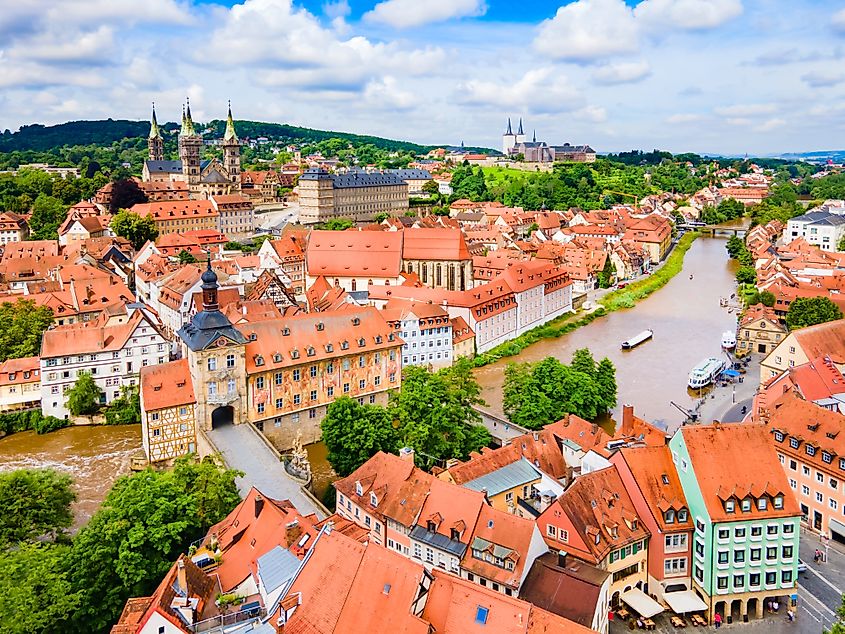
(378,339)
(259,360)
(277,358)
(827,457)
(777,502)
(730,506)
(779,436)
(634,525)
(811,451)
(356,321)
(359,490)
(669,516)
(746,505)
(310,351)
(430,526)
(329,347)
(294,354)
(762,504)
(455,534)
(344,345)
(253,336)
(390,337)
(321,326)
(285,331)
(373,499)
(362,342)
(683,515)
(794,443)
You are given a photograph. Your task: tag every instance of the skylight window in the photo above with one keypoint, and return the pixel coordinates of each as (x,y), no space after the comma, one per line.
(481,615)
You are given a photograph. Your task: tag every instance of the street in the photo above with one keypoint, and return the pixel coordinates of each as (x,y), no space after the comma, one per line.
(820,589)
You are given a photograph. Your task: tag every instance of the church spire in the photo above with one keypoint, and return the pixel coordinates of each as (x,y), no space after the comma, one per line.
(187,122)
(209,288)
(230,127)
(510,129)
(535,136)
(520,127)
(155,133)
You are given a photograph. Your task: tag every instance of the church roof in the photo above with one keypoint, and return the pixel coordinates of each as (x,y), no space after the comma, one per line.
(230,135)
(170,167)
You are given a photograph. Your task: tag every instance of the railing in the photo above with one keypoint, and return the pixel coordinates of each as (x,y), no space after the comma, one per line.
(225,620)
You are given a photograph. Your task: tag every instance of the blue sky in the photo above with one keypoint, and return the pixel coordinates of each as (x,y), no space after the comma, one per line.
(721,76)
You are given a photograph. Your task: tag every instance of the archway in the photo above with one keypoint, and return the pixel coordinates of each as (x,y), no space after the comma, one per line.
(224,415)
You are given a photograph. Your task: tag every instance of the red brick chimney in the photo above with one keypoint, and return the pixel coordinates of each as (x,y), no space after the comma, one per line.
(627,428)
(181,576)
(259,504)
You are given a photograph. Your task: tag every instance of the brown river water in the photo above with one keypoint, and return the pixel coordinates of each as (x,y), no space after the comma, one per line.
(93,456)
(687,322)
(685,316)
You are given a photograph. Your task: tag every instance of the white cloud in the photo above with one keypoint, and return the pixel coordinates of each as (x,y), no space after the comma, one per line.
(658,15)
(92,47)
(683,118)
(386,93)
(587,30)
(337,9)
(403,14)
(746,110)
(540,90)
(592,114)
(817,79)
(769,125)
(622,72)
(838,21)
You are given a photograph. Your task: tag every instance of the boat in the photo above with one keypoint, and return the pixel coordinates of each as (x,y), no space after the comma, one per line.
(636,340)
(728,340)
(706,372)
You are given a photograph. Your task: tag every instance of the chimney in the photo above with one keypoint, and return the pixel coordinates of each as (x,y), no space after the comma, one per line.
(627,420)
(561,558)
(259,504)
(292,532)
(181,576)
(407,453)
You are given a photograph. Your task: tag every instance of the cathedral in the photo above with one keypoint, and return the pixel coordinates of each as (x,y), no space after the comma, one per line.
(205,178)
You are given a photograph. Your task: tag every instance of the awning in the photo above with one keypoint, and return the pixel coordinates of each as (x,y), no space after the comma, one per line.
(641,603)
(684,601)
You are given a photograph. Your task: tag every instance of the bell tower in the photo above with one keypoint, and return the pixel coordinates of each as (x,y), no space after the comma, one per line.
(155,143)
(190,145)
(232,152)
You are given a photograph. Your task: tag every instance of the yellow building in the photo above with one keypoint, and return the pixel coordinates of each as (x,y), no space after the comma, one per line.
(803,345)
(178,216)
(20,384)
(355,195)
(168,415)
(463,339)
(298,365)
(759,331)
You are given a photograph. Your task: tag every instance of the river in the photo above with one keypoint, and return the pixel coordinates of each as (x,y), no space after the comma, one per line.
(93,455)
(687,322)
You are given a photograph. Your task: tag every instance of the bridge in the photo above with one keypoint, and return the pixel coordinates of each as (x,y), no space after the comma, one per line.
(714,230)
(500,428)
(245,449)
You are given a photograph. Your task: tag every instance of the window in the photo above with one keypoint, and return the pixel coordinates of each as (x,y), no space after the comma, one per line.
(724,533)
(786,576)
(330,391)
(296,399)
(762,504)
(481,615)
(827,457)
(787,552)
(779,436)
(771,578)
(297,375)
(699,548)
(819,497)
(805,470)
(231,386)
(313,371)
(683,515)
(739,581)
(755,554)
(811,451)
(722,557)
(805,489)
(833,504)
(345,388)
(772,529)
(279,403)
(212,363)
(739,532)
(730,506)
(754,579)
(277,378)
(722,583)
(260,408)
(778,502)
(551,531)
(212,389)
(746,505)
(794,442)
(739,556)
(362,384)
(756,531)
(259,383)
(230,361)
(788,529)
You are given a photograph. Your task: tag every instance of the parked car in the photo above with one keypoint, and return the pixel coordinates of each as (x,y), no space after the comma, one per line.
(622,285)
(802,567)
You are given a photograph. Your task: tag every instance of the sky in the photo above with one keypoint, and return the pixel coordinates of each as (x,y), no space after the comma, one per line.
(710,76)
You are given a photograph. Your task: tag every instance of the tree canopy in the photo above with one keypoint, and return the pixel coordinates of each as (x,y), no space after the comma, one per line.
(22,325)
(126,408)
(47,214)
(84,398)
(353,433)
(125,193)
(809,311)
(537,394)
(134,228)
(35,503)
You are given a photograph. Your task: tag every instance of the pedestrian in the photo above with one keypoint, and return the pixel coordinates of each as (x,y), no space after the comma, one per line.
(717,620)
(790,615)
(775,605)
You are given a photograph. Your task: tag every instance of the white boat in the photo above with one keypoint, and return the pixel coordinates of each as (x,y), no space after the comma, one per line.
(706,372)
(728,340)
(633,342)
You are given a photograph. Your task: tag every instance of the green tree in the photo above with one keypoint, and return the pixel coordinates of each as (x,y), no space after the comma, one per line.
(145,522)
(767,298)
(841,245)
(337,224)
(47,214)
(85,396)
(353,433)
(36,594)
(746,275)
(185,257)
(583,361)
(134,228)
(809,311)
(606,380)
(36,503)
(431,188)
(126,408)
(382,216)
(22,325)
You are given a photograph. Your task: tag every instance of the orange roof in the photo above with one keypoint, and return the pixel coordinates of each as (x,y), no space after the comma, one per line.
(759,311)
(18,371)
(175,209)
(461,330)
(826,339)
(727,472)
(253,528)
(397,309)
(815,380)
(288,247)
(90,337)
(167,385)
(434,244)
(500,531)
(30,248)
(354,253)
(658,482)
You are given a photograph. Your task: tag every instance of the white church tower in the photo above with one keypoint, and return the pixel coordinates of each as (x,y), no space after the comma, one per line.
(508,139)
(520,135)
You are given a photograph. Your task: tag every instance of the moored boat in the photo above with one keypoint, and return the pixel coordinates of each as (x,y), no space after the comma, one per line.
(636,340)
(728,340)
(706,372)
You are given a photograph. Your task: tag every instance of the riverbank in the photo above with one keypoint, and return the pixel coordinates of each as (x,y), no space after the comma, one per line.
(612,301)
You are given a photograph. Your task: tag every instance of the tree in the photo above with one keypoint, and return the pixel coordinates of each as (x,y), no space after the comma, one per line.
(381,216)
(22,325)
(337,224)
(841,245)
(47,214)
(746,275)
(145,522)
(606,380)
(126,408)
(124,194)
(35,503)
(809,311)
(36,594)
(607,274)
(185,257)
(85,396)
(431,188)
(353,433)
(767,298)
(134,228)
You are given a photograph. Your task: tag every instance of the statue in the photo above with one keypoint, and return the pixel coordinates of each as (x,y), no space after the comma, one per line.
(299,458)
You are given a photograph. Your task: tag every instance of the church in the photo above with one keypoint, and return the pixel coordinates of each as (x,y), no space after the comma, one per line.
(205,178)
(535,151)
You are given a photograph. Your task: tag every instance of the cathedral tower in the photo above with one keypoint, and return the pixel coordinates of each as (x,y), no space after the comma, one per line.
(508,139)
(232,152)
(190,146)
(154,142)
(520,135)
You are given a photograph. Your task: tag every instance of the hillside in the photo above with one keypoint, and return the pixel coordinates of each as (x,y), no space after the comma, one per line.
(37,137)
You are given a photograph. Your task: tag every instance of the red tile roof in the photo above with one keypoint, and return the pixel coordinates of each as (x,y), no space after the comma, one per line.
(167,385)
(354,254)
(19,371)
(435,244)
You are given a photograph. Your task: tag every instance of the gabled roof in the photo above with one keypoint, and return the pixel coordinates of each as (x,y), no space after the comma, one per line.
(429,244)
(657,480)
(167,385)
(826,339)
(369,254)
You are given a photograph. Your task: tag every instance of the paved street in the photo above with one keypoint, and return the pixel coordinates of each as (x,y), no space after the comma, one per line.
(270,219)
(821,587)
(242,449)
